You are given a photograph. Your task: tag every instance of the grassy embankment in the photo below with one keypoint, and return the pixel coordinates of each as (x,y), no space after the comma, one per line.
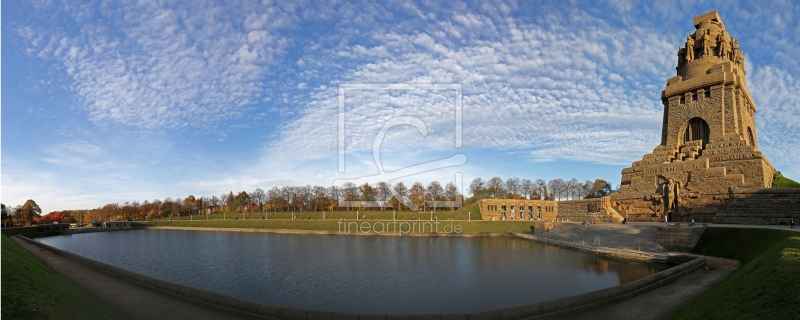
(33,290)
(784,182)
(766,286)
(282,220)
(469,212)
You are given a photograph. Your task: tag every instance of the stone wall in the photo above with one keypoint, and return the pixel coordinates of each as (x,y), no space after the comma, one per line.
(679,238)
(586,210)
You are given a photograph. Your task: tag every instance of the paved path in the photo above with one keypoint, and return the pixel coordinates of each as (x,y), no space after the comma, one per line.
(132,300)
(663,301)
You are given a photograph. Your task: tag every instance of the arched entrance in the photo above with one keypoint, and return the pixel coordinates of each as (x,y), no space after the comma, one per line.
(750,137)
(696,129)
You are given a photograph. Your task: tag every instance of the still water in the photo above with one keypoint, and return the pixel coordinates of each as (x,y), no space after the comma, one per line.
(359,274)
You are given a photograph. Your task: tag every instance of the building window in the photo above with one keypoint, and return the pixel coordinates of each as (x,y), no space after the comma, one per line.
(683,100)
(694,96)
(708,93)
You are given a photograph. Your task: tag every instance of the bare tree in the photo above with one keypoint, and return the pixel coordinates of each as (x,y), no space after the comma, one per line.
(477,188)
(435,191)
(451,191)
(384,191)
(259,197)
(541,188)
(402,192)
(350,191)
(512,186)
(495,187)
(526,188)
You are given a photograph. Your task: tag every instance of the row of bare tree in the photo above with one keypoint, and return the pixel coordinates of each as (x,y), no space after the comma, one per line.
(317,198)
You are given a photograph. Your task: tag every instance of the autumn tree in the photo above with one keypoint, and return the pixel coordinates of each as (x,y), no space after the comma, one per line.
(478,189)
(417,195)
(241,201)
(29,212)
(55,216)
(190,205)
(600,188)
(368,193)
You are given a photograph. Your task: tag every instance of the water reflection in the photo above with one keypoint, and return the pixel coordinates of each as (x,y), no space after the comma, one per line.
(381,274)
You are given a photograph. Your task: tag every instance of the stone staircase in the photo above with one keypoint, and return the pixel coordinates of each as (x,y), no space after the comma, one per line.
(762,206)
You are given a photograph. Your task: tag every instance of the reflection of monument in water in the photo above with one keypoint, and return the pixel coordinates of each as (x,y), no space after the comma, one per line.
(708,140)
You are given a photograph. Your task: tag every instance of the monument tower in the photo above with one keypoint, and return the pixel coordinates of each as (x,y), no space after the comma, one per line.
(709,144)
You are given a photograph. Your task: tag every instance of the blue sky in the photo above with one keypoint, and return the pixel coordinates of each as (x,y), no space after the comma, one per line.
(114,101)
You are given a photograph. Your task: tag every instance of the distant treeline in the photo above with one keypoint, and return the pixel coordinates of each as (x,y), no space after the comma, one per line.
(313,198)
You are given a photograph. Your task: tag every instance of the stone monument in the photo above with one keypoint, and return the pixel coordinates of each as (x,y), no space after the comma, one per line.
(708,139)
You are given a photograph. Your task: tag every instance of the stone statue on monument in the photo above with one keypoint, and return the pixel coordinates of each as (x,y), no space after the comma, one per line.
(706,44)
(689,48)
(723,46)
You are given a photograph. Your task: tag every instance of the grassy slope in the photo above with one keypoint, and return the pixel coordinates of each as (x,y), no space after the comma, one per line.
(32,290)
(767,286)
(784,182)
(465,213)
(333,225)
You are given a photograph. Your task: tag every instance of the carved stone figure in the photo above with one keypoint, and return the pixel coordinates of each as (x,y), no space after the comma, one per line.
(689,48)
(722,46)
(706,44)
(669,194)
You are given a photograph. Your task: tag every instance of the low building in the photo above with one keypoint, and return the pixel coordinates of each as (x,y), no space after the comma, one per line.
(117,224)
(54,227)
(517,209)
(438,205)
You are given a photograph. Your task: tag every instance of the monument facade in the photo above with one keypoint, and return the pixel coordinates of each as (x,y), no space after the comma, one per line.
(709,144)
(707,167)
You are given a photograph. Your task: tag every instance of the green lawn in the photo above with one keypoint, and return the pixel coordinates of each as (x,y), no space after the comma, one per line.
(767,286)
(469,212)
(445,226)
(33,290)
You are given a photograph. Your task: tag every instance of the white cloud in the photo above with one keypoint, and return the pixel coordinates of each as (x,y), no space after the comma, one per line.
(80,154)
(520,92)
(159,66)
(775,94)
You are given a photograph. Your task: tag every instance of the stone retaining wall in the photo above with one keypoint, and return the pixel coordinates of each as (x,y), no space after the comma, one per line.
(544,310)
(679,238)
(579,211)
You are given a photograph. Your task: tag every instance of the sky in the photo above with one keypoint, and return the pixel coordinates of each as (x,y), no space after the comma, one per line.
(114,101)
